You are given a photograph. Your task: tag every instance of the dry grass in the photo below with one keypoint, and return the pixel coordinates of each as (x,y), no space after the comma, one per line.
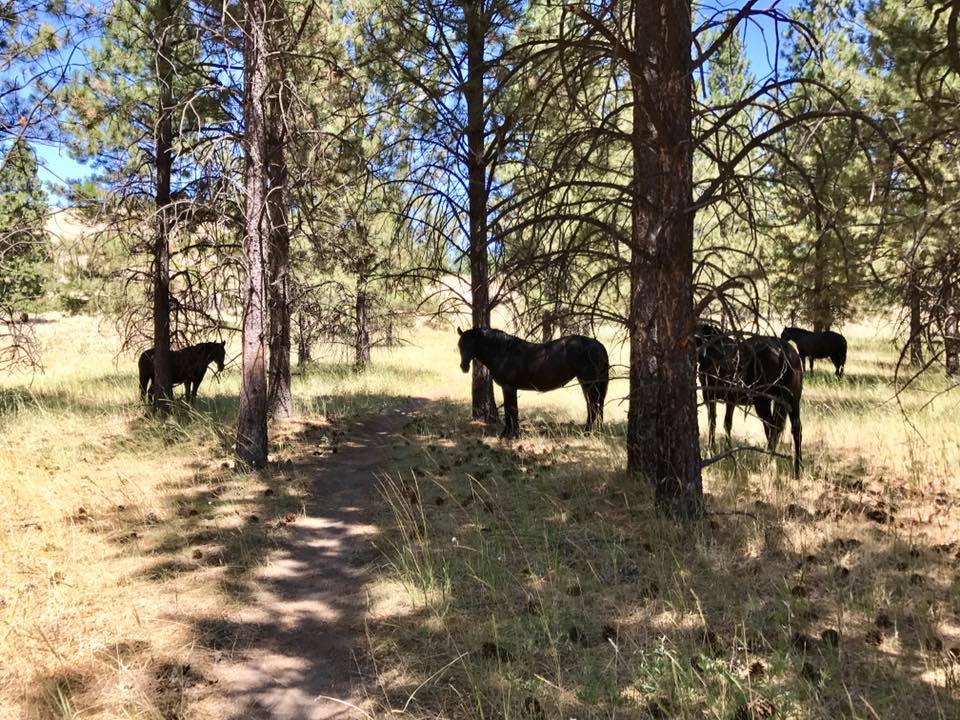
(544,586)
(528,578)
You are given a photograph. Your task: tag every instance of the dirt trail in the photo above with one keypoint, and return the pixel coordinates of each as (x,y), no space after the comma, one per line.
(310,606)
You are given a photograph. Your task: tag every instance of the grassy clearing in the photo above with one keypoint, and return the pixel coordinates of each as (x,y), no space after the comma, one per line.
(539,583)
(128,544)
(526,580)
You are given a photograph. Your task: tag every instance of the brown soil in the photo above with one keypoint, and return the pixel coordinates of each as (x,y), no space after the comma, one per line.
(310,606)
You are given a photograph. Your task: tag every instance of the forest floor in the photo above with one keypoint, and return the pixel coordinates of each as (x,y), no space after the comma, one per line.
(399,557)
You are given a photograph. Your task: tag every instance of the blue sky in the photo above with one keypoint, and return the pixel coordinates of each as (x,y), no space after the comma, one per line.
(57,166)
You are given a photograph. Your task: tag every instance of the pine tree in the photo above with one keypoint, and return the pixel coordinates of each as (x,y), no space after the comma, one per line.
(23,241)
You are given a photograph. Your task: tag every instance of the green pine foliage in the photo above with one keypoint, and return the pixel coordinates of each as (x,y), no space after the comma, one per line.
(24,248)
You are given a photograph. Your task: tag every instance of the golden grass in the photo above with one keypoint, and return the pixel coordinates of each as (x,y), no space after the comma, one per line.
(542,580)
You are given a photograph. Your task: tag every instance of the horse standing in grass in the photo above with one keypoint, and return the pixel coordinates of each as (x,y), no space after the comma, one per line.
(818,345)
(187,366)
(758,371)
(516,364)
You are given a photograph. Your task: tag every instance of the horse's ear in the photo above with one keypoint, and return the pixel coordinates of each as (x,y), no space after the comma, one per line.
(459,331)
(223,343)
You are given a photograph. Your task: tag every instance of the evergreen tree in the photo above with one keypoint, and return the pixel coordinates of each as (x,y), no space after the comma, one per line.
(23,240)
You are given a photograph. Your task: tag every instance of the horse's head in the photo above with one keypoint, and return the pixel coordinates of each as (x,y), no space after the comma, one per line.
(711,343)
(467,347)
(218,354)
(790,333)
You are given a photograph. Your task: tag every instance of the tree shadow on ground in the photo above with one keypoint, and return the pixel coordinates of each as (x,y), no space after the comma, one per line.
(535,574)
(555,586)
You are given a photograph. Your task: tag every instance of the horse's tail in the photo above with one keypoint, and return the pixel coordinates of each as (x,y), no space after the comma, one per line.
(601,362)
(842,355)
(145,366)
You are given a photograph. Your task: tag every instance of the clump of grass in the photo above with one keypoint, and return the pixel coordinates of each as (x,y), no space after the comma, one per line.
(565,595)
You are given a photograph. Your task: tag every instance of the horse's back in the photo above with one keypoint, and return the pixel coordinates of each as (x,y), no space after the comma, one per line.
(550,365)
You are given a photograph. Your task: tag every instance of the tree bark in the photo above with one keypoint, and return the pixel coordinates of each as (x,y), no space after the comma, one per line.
(546,326)
(280,403)
(951,331)
(162,392)
(484,405)
(662,434)
(916,322)
(252,421)
(362,326)
(303,341)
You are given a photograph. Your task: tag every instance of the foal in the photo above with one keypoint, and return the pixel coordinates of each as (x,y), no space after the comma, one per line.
(516,364)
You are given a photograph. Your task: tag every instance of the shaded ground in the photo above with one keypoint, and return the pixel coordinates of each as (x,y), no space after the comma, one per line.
(308,612)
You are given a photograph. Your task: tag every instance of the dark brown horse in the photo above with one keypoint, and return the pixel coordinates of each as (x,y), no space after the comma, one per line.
(817,345)
(765,372)
(187,366)
(516,364)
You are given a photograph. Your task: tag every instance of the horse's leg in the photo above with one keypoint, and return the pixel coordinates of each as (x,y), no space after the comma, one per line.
(762,406)
(780,408)
(587,389)
(593,393)
(712,423)
(811,364)
(728,420)
(511,416)
(797,430)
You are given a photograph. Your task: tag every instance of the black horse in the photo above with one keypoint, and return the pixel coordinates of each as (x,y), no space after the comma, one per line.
(817,345)
(187,366)
(757,371)
(516,364)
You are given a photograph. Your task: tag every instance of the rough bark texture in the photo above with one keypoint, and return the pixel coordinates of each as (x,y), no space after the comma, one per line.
(483,403)
(280,394)
(820,307)
(252,420)
(662,433)
(303,341)
(361,339)
(951,332)
(162,392)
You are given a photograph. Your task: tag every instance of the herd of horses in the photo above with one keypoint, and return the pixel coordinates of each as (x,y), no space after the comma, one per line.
(763,371)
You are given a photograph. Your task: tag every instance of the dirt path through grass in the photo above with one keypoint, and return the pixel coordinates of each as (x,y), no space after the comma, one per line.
(308,615)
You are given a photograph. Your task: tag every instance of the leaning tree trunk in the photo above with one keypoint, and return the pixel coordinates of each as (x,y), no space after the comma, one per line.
(280,402)
(361,338)
(483,403)
(252,420)
(162,379)
(662,435)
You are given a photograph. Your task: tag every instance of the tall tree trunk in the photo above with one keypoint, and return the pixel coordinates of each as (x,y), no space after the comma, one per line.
(662,435)
(951,331)
(303,341)
(252,420)
(820,307)
(162,380)
(483,403)
(280,403)
(361,338)
(546,326)
(916,321)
